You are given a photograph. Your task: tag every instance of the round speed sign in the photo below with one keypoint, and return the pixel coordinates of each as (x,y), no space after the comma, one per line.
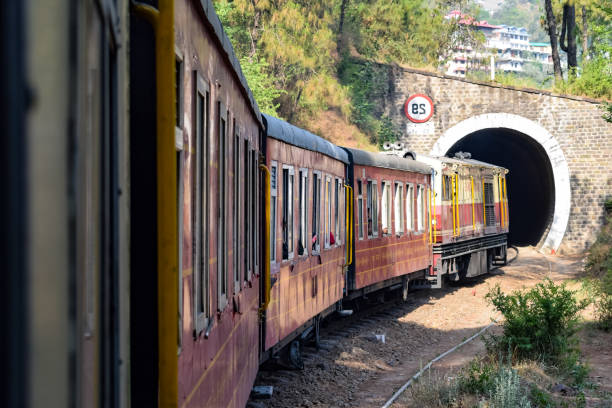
(419,108)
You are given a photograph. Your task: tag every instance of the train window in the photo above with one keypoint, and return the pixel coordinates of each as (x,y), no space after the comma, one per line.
(287,222)
(328,207)
(398,207)
(385,208)
(200,213)
(447,185)
(337,211)
(316,211)
(236,206)
(489,204)
(178,99)
(420,208)
(254,189)
(222,207)
(372,208)
(302,215)
(273,193)
(410,207)
(360,209)
(247,209)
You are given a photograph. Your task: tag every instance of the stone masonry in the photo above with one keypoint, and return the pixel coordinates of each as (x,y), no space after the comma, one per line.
(576,124)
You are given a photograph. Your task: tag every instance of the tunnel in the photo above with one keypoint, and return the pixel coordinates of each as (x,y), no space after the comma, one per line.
(530,181)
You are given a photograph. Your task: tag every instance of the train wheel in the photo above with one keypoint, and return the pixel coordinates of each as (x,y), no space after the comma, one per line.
(295,355)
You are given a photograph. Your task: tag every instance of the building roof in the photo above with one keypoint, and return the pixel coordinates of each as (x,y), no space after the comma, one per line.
(293,135)
(469,20)
(386,161)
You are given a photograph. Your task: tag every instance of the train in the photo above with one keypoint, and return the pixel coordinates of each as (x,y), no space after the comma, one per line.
(163,237)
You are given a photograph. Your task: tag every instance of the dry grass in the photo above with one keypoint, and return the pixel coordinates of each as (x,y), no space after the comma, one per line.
(333,126)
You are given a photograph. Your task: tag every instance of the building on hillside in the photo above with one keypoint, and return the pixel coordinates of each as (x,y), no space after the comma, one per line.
(509,46)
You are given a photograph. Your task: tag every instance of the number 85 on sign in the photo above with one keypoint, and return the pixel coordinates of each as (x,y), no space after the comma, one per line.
(419,108)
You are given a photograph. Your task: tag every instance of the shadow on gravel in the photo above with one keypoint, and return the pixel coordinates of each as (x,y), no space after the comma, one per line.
(355,369)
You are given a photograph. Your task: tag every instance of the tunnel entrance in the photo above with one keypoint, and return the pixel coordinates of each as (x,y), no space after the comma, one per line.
(531,186)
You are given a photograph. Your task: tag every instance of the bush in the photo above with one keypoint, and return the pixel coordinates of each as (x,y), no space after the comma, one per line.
(539,323)
(598,268)
(477,378)
(507,391)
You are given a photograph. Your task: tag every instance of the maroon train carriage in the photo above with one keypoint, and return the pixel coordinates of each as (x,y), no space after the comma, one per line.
(392,236)
(469,236)
(218,131)
(307,231)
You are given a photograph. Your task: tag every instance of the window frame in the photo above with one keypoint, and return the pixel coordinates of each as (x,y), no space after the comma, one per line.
(398,208)
(236,204)
(317,183)
(410,191)
(375,208)
(327,213)
(200,272)
(273,209)
(420,201)
(222,276)
(360,208)
(289,207)
(303,211)
(179,95)
(386,201)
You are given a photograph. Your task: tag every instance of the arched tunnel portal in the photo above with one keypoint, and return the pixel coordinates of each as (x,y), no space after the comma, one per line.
(531,188)
(538,181)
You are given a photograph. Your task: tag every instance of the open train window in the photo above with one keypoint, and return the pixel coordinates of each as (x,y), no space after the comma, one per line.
(222,207)
(385,208)
(178,98)
(303,213)
(201,206)
(398,208)
(360,209)
(372,208)
(410,207)
(328,212)
(337,211)
(237,203)
(254,186)
(273,194)
(246,215)
(420,207)
(287,221)
(316,211)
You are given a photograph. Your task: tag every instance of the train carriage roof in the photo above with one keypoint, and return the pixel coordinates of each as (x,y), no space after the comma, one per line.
(226,46)
(293,135)
(387,161)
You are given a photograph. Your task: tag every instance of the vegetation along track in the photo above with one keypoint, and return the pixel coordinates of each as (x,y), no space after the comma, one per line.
(353,369)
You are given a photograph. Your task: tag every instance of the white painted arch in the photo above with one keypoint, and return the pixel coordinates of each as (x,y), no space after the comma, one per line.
(550,145)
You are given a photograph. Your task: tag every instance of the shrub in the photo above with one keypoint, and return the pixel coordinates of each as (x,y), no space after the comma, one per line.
(539,323)
(507,391)
(477,378)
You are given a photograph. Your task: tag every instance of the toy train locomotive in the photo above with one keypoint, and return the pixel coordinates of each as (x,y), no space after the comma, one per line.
(177,237)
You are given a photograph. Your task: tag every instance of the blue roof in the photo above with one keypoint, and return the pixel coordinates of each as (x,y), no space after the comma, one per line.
(293,135)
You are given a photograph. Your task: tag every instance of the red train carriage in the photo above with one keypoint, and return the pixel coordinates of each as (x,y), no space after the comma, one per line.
(218,132)
(307,230)
(469,236)
(391,220)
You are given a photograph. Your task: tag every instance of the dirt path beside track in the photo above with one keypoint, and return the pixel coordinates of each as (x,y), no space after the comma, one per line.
(355,370)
